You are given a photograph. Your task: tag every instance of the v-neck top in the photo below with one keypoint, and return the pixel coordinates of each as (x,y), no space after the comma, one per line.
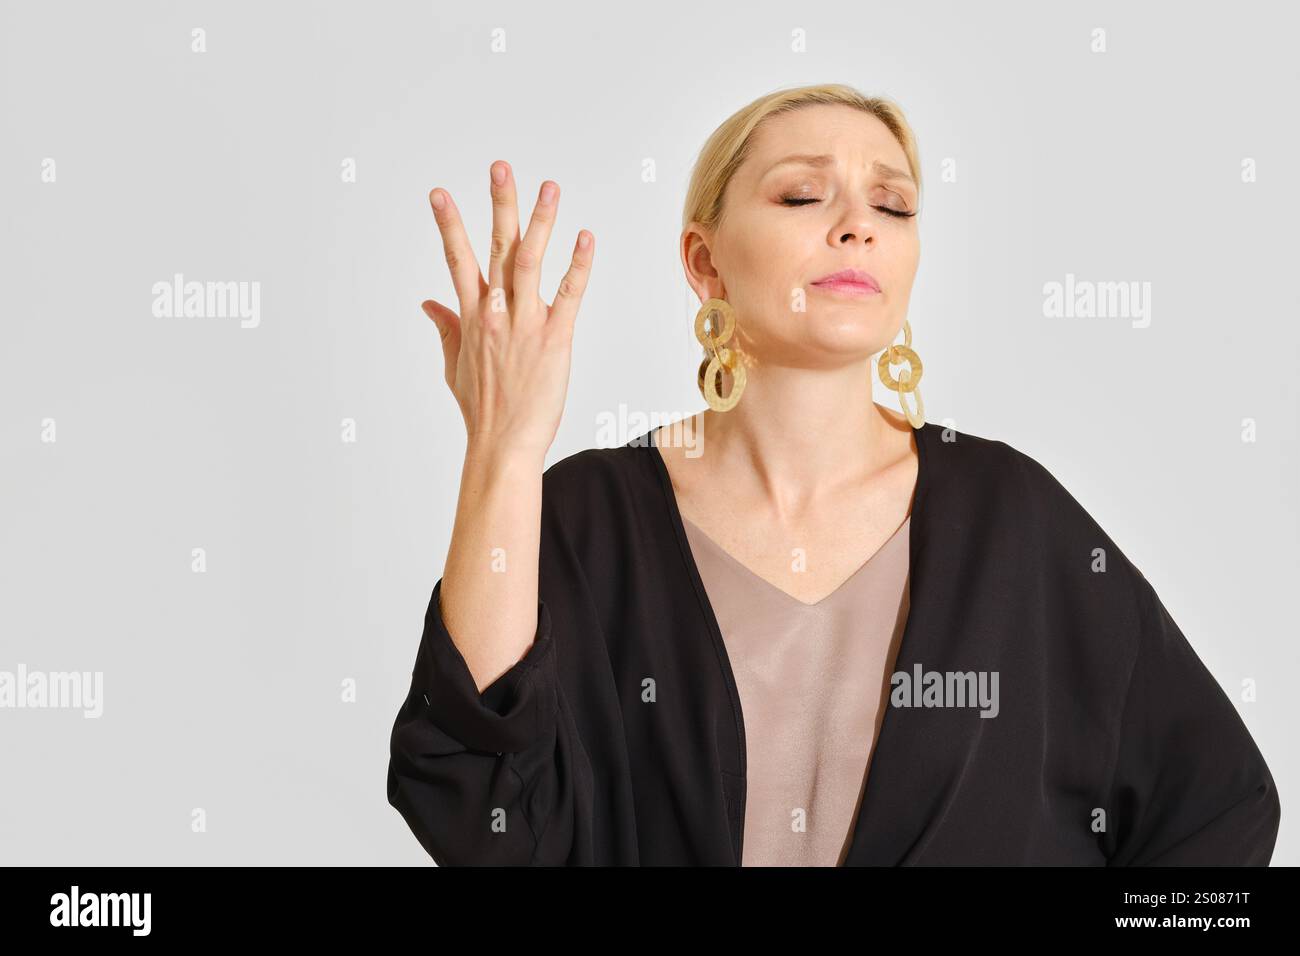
(814,682)
(618,737)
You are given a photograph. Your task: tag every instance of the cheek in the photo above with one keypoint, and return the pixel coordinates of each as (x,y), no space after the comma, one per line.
(765,273)
(903,259)
(770,242)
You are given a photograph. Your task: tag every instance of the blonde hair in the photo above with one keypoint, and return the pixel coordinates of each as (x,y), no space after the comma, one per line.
(730,144)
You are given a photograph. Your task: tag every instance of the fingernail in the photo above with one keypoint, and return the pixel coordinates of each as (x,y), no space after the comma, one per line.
(438,199)
(498,173)
(548,192)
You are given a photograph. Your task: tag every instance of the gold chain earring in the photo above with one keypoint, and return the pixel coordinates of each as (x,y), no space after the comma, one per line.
(716,356)
(908,378)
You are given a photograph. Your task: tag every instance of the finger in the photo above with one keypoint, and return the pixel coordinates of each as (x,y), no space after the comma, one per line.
(528,260)
(448,323)
(564,310)
(466,275)
(505,234)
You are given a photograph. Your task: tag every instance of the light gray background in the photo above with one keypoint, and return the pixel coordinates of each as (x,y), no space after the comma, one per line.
(223,689)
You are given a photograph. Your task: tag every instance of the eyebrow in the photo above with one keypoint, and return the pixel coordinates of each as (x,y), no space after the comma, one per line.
(883,170)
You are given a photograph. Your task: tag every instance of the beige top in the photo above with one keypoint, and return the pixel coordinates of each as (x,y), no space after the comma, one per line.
(813,681)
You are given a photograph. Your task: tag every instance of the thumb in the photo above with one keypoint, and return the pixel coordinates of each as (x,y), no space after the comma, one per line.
(448,323)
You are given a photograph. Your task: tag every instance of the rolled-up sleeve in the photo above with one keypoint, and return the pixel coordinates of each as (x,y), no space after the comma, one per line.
(512,713)
(497,778)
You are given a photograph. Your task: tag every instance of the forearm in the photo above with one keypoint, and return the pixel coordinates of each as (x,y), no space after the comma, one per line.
(490,583)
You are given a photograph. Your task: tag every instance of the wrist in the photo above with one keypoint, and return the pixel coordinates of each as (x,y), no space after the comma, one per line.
(499,456)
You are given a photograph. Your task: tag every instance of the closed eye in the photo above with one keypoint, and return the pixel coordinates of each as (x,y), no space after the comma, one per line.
(795,201)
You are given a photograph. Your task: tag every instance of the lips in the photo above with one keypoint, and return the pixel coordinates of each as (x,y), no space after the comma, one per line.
(849,279)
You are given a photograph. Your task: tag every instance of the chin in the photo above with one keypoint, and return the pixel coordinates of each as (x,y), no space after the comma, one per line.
(848,333)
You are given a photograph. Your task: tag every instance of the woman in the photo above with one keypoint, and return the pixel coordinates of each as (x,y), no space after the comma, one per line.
(841,635)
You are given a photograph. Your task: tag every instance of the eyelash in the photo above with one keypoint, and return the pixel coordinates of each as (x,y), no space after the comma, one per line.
(797,201)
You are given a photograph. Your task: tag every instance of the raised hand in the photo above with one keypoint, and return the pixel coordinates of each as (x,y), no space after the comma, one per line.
(507,353)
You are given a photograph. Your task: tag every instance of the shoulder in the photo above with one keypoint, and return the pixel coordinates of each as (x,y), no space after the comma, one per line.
(992,503)
(953,450)
(602,481)
(607,503)
(991,464)
(966,471)
(979,472)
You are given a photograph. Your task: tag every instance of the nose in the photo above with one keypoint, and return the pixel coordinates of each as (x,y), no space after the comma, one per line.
(856,226)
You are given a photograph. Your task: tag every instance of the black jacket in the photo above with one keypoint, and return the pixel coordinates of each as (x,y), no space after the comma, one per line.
(619,739)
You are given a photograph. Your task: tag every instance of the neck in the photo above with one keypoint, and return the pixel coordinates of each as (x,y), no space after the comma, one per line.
(798,435)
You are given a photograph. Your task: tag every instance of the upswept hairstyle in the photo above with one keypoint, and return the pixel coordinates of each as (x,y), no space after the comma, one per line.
(730,144)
